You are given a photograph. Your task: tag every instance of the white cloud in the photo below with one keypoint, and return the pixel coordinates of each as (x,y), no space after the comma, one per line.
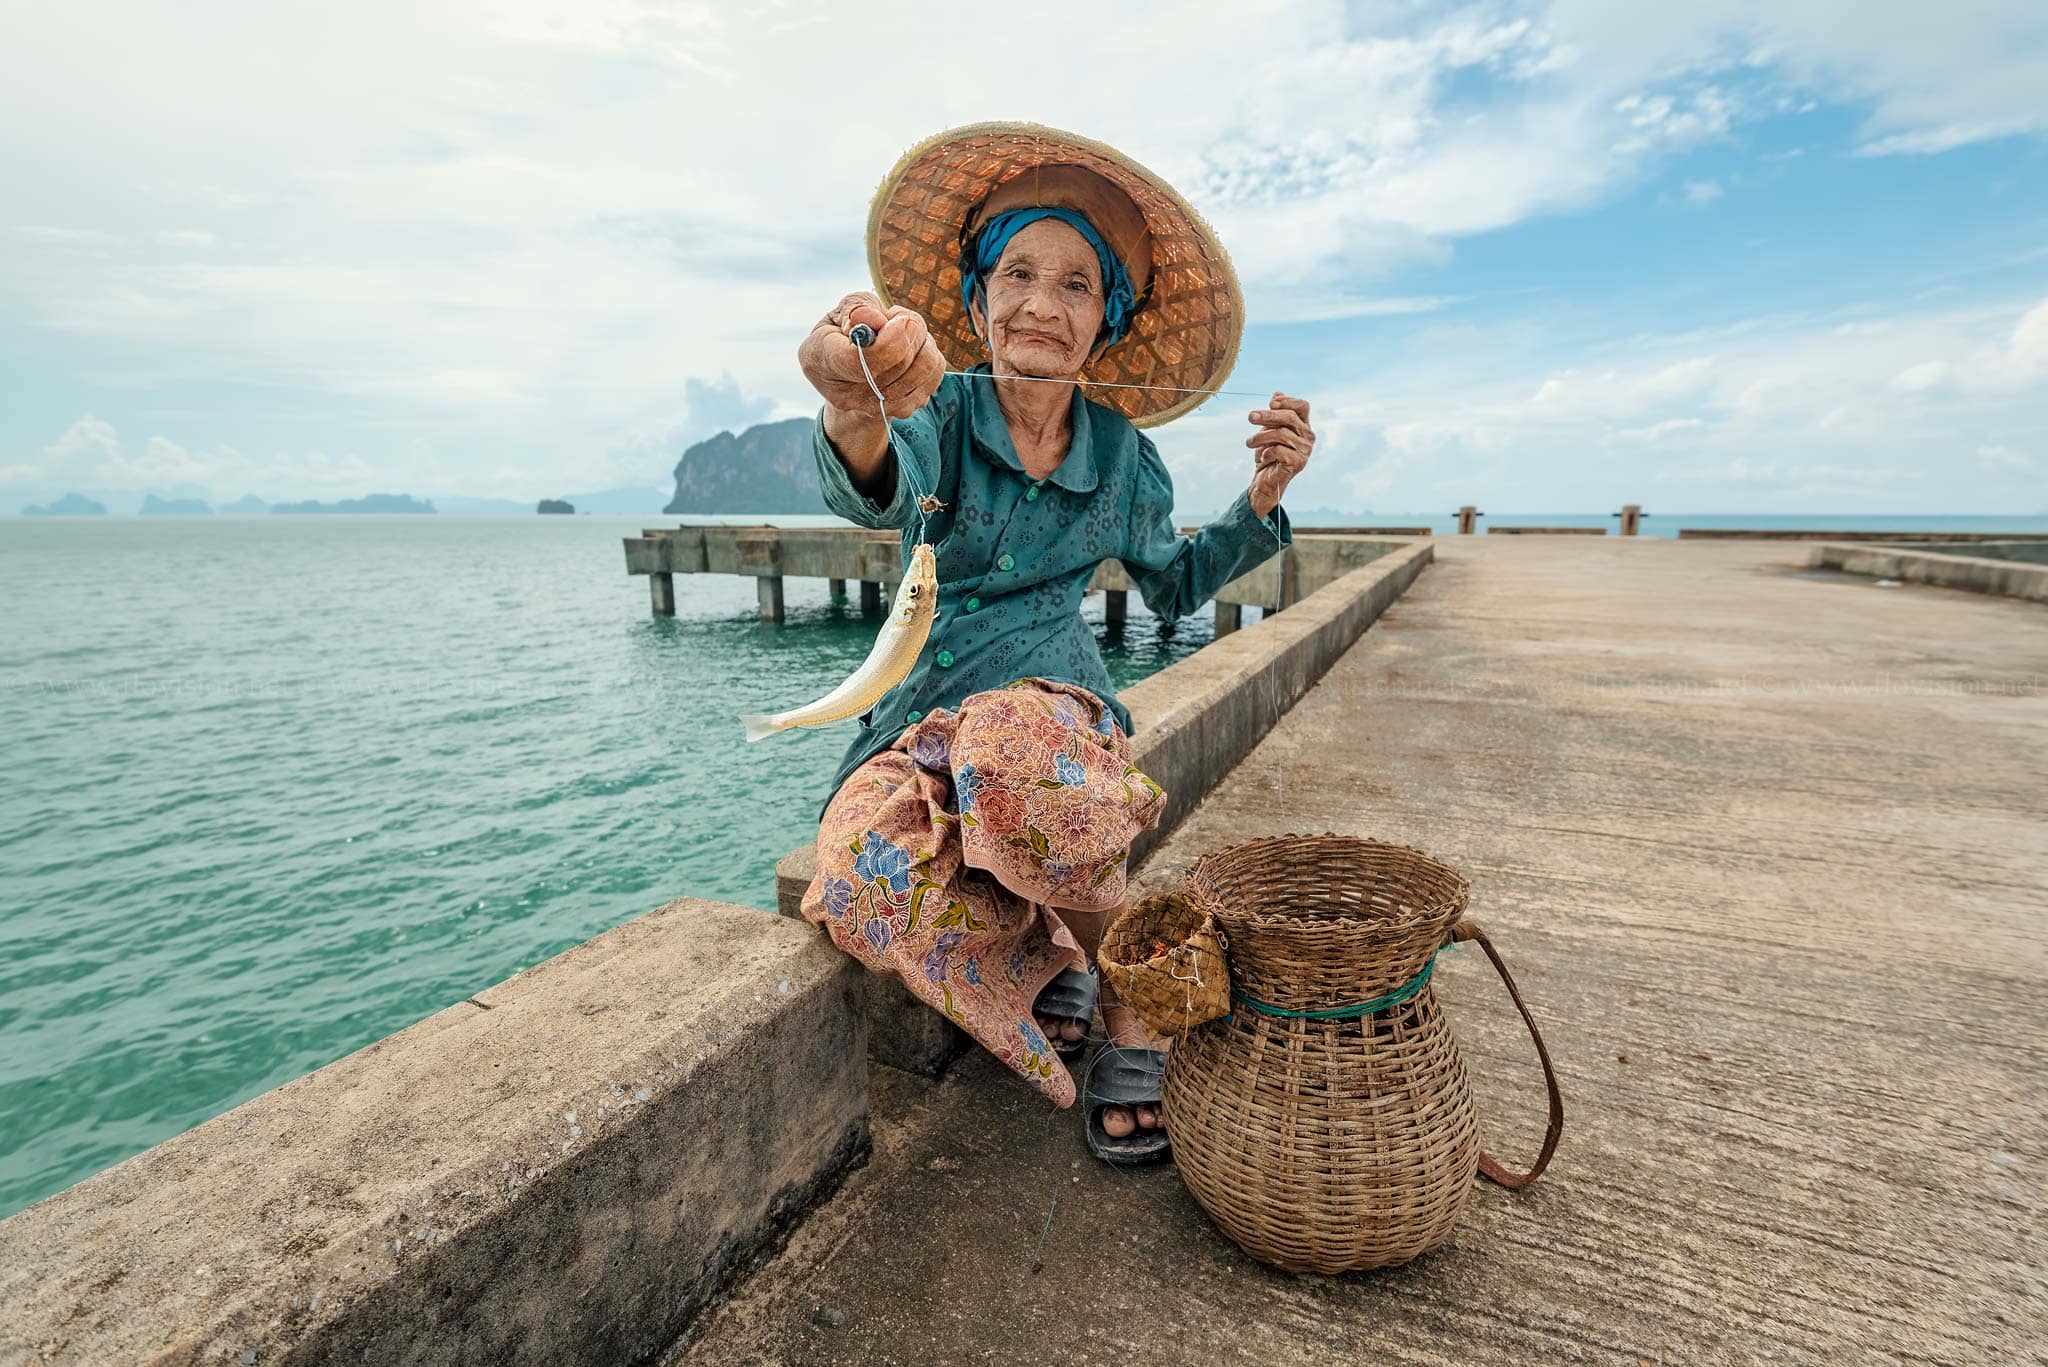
(1918,379)
(90,454)
(1702,191)
(529,223)
(1658,431)
(2017,361)
(1789,414)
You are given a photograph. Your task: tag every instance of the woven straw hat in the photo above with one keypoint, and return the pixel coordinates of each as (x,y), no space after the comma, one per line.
(1186,331)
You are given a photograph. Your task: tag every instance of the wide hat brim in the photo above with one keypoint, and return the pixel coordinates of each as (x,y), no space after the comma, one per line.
(1184,339)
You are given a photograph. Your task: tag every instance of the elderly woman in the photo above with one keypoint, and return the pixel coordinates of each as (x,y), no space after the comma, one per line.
(975,841)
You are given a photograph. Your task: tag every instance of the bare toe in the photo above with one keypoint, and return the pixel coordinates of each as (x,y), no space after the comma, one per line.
(1148,1118)
(1071,1030)
(1117,1122)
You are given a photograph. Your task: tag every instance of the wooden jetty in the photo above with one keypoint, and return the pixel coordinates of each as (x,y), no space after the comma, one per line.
(848,554)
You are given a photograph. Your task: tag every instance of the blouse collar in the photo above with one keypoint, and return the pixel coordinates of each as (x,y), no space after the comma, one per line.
(1099,433)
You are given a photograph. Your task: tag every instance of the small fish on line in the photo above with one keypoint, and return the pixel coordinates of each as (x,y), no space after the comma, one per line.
(889,660)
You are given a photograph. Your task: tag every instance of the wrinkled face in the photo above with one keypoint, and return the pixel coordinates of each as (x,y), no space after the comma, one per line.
(1042,305)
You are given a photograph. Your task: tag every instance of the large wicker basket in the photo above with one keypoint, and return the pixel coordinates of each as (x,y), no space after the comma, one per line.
(1326,1125)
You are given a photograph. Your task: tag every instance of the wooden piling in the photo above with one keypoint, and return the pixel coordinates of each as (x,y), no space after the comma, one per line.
(1467,517)
(1631,516)
(870,596)
(662,585)
(1229,616)
(1115,602)
(836,587)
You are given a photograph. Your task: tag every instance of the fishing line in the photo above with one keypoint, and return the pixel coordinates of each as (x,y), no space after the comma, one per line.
(860,350)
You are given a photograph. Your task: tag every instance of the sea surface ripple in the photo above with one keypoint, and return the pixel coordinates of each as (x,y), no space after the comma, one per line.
(280,786)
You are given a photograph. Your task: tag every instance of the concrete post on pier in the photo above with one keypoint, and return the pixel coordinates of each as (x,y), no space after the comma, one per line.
(1631,516)
(1115,602)
(870,597)
(662,585)
(771,597)
(760,554)
(1468,517)
(1229,616)
(837,587)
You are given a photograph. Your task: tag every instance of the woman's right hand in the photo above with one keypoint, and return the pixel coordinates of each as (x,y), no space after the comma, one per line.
(906,362)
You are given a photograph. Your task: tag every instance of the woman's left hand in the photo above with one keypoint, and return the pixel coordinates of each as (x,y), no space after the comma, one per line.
(1281,445)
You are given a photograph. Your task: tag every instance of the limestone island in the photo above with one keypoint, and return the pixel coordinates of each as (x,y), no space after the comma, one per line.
(71,505)
(152,506)
(369,503)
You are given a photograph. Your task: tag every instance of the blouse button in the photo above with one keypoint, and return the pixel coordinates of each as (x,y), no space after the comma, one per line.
(945,659)
(974,605)
(1031,493)
(912,716)
(1005,563)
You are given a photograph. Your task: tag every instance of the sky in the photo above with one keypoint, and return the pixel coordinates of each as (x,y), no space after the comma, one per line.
(1726,256)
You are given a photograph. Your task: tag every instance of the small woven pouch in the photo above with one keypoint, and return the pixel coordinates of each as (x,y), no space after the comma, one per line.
(1164,959)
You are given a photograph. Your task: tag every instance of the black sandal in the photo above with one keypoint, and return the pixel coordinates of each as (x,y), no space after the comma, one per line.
(1070,996)
(1125,1076)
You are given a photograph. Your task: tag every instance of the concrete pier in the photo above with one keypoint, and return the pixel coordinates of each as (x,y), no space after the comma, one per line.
(1319,556)
(1764,842)
(1768,854)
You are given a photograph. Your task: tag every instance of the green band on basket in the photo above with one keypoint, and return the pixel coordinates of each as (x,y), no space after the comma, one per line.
(1342,1013)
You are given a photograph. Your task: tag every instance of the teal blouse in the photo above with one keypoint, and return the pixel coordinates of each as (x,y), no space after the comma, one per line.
(1015,554)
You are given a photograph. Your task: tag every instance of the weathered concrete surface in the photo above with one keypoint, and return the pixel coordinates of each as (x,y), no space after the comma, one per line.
(1794,534)
(1768,852)
(1194,720)
(565,1168)
(1978,574)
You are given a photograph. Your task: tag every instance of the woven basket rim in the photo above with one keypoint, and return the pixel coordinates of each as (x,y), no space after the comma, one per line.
(1201,886)
(1054,146)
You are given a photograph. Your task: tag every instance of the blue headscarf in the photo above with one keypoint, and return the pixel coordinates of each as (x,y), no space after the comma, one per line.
(1119,302)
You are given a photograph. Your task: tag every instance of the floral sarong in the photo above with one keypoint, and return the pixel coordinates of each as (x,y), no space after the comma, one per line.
(944,859)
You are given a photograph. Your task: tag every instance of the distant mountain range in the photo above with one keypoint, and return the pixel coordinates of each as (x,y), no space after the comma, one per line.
(765,469)
(627,500)
(190,501)
(369,503)
(768,468)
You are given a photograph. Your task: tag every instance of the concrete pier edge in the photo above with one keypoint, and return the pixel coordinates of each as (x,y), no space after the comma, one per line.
(1978,574)
(567,1167)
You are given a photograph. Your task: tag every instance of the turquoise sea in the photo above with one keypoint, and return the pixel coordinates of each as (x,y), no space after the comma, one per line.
(278,787)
